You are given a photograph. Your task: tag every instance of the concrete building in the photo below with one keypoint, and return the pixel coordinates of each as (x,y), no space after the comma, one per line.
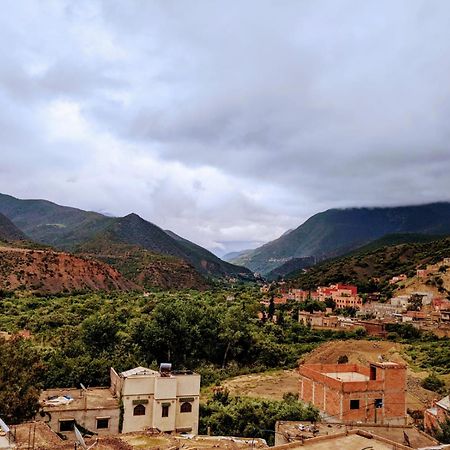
(344,296)
(136,400)
(351,393)
(160,400)
(95,409)
(301,432)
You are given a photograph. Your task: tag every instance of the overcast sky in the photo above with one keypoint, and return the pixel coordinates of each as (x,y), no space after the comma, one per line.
(228,122)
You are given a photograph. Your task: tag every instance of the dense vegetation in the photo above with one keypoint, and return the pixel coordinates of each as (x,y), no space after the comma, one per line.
(250,417)
(8,231)
(370,269)
(425,349)
(217,333)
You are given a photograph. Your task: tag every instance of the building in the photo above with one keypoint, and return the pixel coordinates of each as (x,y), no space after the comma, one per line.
(300,431)
(436,414)
(351,393)
(136,400)
(373,327)
(356,439)
(160,400)
(398,279)
(318,320)
(344,296)
(6,438)
(380,310)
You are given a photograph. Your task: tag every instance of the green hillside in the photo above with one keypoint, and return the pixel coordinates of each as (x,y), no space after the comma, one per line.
(135,231)
(370,269)
(338,231)
(48,223)
(143,267)
(9,232)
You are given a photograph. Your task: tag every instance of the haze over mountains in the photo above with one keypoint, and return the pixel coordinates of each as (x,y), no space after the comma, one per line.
(338,231)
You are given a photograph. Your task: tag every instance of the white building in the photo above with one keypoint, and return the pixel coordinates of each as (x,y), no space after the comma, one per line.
(164,400)
(137,400)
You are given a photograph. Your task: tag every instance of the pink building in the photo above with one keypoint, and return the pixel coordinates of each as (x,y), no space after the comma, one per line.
(344,295)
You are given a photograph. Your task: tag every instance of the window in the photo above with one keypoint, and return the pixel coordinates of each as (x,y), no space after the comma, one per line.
(186,407)
(354,404)
(378,403)
(165,411)
(139,410)
(373,373)
(66,425)
(102,423)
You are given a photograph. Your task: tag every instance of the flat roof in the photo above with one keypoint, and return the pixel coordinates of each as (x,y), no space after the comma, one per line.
(138,371)
(347,376)
(349,442)
(295,430)
(145,371)
(76,399)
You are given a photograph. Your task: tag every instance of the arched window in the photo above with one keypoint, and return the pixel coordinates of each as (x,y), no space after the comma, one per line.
(139,410)
(186,407)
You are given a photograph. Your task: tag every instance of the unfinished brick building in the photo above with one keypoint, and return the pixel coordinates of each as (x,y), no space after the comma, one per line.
(352,393)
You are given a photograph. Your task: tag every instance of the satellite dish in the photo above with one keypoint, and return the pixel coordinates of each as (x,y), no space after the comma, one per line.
(79,438)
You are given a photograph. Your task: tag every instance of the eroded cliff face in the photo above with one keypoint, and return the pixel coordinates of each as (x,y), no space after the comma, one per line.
(50,272)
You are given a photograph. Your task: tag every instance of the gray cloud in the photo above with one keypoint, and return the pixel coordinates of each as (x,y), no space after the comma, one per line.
(227,123)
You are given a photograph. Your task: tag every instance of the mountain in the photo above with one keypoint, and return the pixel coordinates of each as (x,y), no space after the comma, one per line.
(234,255)
(338,231)
(70,228)
(145,268)
(290,266)
(50,272)
(9,232)
(135,231)
(48,223)
(371,268)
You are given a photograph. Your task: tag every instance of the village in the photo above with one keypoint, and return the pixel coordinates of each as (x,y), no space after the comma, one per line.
(424,309)
(363,389)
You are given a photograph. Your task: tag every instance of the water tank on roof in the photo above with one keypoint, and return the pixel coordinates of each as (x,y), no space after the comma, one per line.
(165,369)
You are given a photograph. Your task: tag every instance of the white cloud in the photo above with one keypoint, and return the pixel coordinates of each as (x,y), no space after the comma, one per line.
(227,124)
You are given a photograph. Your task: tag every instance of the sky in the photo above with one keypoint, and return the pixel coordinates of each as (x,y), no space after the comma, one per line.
(226,122)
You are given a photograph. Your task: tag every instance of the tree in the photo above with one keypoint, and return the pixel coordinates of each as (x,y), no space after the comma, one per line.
(20,374)
(99,332)
(271,310)
(433,383)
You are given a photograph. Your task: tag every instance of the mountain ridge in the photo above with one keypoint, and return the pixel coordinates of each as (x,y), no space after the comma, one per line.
(337,231)
(68,228)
